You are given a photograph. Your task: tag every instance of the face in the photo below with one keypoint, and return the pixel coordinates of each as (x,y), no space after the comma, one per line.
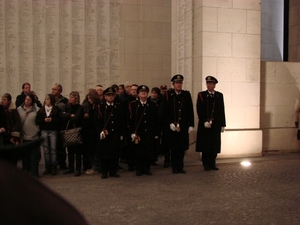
(210,86)
(5,102)
(28,101)
(162,91)
(177,85)
(26,89)
(89,100)
(110,98)
(128,88)
(47,102)
(99,90)
(72,100)
(143,94)
(120,90)
(133,90)
(154,95)
(55,91)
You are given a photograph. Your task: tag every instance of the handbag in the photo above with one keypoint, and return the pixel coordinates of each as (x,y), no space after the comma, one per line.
(71,137)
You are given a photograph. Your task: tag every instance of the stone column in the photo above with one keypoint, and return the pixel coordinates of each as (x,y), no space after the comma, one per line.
(226,44)
(294,31)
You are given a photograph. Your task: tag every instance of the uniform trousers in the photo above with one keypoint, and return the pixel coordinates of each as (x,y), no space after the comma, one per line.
(209,159)
(177,156)
(109,165)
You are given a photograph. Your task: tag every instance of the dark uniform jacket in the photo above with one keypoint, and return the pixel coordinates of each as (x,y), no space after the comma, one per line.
(209,139)
(143,121)
(178,108)
(112,120)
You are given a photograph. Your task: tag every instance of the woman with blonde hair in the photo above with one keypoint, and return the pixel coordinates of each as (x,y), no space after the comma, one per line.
(73,115)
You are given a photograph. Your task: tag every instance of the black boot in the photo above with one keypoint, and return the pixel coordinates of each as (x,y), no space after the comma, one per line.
(47,170)
(53,170)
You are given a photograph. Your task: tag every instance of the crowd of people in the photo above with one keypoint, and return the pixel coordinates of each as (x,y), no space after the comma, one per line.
(126,123)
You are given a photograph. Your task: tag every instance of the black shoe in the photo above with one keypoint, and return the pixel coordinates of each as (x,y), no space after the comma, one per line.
(68,171)
(138,174)
(166,164)
(103,176)
(214,168)
(114,175)
(182,171)
(148,173)
(63,167)
(46,172)
(77,174)
(120,168)
(53,171)
(153,163)
(175,171)
(206,168)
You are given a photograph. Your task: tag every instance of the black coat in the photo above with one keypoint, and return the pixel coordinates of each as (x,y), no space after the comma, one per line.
(209,139)
(112,120)
(77,120)
(143,121)
(55,122)
(177,109)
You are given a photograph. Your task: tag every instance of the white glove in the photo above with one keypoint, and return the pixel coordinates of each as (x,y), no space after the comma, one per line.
(222,129)
(172,127)
(191,129)
(133,136)
(102,135)
(207,124)
(121,138)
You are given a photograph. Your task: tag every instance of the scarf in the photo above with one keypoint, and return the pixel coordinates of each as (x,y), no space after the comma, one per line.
(48,110)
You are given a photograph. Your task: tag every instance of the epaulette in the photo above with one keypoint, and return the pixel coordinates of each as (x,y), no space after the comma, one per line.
(200,96)
(129,108)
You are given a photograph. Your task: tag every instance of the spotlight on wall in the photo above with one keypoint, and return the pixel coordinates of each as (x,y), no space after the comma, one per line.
(246,163)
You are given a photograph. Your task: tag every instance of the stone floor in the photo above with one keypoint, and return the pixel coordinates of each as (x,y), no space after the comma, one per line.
(267,192)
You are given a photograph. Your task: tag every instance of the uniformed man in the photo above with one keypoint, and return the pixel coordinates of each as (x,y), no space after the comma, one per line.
(211,114)
(178,115)
(143,124)
(111,132)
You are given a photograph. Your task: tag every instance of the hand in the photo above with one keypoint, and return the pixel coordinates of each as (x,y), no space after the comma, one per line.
(86,115)
(121,138)
(296,124)
(156,137)
(207,124)
(102,135)
(191,129)
(133,137)
(15,140)
(222,129)
(172,127)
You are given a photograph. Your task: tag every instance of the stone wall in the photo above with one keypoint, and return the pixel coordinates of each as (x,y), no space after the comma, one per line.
(82,43)
(280,85)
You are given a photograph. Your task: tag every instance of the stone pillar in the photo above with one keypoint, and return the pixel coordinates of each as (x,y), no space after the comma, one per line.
(226,44)
(294,31)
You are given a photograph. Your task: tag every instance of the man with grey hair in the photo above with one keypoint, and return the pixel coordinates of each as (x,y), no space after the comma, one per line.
(61,102)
